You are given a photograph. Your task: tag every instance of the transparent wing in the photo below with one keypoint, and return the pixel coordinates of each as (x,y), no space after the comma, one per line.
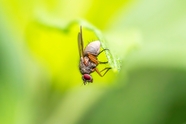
(80,42)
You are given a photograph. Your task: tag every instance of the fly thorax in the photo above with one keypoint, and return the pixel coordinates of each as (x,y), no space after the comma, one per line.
(86,68)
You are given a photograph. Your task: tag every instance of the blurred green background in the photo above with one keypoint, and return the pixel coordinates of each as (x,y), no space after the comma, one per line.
(39,78)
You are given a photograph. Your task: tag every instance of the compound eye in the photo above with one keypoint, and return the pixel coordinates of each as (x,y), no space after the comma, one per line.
(87,77)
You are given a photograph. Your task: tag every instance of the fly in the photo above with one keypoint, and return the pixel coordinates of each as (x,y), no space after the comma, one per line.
(88,59)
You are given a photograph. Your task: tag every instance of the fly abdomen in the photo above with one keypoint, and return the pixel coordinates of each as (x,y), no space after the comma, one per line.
(92,48)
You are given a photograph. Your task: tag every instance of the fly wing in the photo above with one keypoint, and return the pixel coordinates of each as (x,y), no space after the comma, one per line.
(80,42)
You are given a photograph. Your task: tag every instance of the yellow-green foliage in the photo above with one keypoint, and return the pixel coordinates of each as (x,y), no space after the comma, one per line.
(40,82)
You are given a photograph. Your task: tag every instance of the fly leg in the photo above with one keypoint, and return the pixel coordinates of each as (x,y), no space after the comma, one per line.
(103,62)
(99,72)
(93,58)
(85,60)
(102,51)
(107,69)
